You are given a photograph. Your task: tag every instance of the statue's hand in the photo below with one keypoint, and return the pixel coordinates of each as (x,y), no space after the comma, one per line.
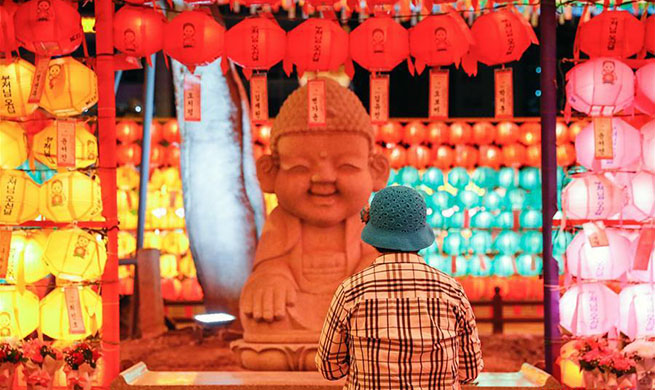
(267,297)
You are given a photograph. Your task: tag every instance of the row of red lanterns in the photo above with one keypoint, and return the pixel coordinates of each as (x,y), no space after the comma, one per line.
(160,155)
(128,131)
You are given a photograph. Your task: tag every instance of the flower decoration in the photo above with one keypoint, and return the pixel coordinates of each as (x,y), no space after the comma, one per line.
(10,352)
(81,353)
(604,365)
(41,362)
(365,214)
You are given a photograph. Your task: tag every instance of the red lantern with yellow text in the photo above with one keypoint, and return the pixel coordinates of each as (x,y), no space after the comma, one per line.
(139,31)
(439,40)
(194,38)
(379,44)
(613,33)
(317,45)
(48,27)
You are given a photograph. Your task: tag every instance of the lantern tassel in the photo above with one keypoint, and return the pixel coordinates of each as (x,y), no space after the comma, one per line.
(410,65)
(287,65)
(349,68)
(225,65)
(470,63)
(420,67)
(247,72)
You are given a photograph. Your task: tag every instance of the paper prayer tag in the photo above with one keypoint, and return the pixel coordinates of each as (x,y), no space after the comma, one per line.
(379,99)
(259,99)
(65,143)
(438,94)
(5,247)
(39,80)
(595,233)
(504,88)
(603,138)
(316,103)
(644,248)
(74,309)
(192,108)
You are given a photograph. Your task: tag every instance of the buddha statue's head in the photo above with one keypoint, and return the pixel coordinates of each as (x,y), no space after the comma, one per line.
(323,174)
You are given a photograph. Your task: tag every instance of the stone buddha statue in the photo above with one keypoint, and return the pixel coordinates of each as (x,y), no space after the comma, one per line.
(322,176)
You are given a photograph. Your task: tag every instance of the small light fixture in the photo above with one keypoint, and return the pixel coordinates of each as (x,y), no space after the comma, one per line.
(214,319)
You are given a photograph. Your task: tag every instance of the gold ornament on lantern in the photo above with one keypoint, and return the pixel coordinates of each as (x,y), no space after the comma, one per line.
(86,146)
(70,87)
(74,254)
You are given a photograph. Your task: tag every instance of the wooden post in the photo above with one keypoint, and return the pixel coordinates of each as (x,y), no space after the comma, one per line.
(150,303)
(497,312)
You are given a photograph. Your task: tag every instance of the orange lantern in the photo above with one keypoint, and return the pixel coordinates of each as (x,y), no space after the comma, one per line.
(127,178)
(139,31)
(437,133)
(8,37)
(19,197)
(173,155)
(613,33)
(575,128)
(128,154)
(128,131)
(13,145)
(70,196)
(414,133)
(194,38)
(156,132)
(48,27)
(316,45)
(507,133)
(530,133)
(490,156)
(171,289)
(418,156)
(443,157)
(255,44)
(86,146)
(379,44)
(466,156)
(513,155)
(191,290)
(74,254)
(168,179)
(157,155)
(70,87)
(391,133)
(562,133)
(565,154)
(397,156)
(127,200)
(483,133)
(533,155)
(16,78)
(500,37)
(439,40)
(171,131)
(175,242)
(460,133)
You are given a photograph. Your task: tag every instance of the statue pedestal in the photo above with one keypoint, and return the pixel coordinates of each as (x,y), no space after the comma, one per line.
(275,356)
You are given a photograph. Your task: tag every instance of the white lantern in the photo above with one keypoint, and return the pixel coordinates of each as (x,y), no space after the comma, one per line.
(589,309)
(648,146)
(625,138)
(637,311)
(640,197)
(599,263)
(645,93)
(592,197)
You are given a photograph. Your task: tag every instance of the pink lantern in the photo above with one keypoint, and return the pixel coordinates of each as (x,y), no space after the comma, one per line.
(600,87)
(645,93)
(589,309)
(591,197)
(640,196)
(641,276)
(624,140)
(648,146)
(637,311)
(599,263)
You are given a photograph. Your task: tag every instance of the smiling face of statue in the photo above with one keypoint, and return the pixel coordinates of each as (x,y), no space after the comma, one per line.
(323,178)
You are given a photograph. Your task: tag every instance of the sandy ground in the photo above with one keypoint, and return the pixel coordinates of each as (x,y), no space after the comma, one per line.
(180,350)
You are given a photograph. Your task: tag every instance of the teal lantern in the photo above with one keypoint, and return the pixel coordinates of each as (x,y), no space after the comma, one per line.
(560,178)
(529,265)
(533,200)
(440,262)
(468,199)
(434,248)
(485,177)
(516,198)
(409,176)
(480,266)
(530,219)
(504,220)
(480,242)
(461,266)
(393,177)
(454,244)
(561,241)
(40,174)
(504,265)
(507,242)
(432,178)
(455,221)
(441,200)
(532,242)
(436,219)
(530,178)
(492,201)
(482,220)
(458,178)
(507,177)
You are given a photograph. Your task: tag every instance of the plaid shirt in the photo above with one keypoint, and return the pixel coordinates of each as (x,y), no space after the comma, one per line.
(400,324)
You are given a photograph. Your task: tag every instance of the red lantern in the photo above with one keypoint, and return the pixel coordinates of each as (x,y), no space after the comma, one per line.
(173,155)
(611,34)
(575,128)
(562,134)
(379,44)
(490,156)
(500,37)
(530,133)
(48,27)
(533,155)
(128,131)
(157,155)
(391,133)
(460,133)
(317,45)
(565,155)
(171,131)
(439,40)
(194,38)
(466,156)
(171,289)
(507,133)
(415,133)
(514,155)
(7,36)
(443,157)
(255,44)
(128,154)
(437,133)
(191,290)
(397,156)
(649,36)
(156,132)
(483,133)
(418,156)
(139,31)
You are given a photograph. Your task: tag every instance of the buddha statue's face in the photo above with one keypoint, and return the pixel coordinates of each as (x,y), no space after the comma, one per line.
(324,178)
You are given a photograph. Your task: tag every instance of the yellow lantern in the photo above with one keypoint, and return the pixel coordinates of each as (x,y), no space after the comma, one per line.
(54,310)
(127,219)
(126,244)
(152,240)
(175,242)
(16,84)
(73,254)
(187,267)
(86,146)
(13,145)
(19,312)
(71,196)
(127,200)
(569,366)
(127,177)
(168,266)
(168,178)
(19,198)
(70,87)
(25,264)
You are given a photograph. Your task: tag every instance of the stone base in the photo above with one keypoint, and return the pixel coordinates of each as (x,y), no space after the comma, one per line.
(275,357)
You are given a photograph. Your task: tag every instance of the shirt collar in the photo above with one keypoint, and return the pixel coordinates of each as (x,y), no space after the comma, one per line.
(399,258)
